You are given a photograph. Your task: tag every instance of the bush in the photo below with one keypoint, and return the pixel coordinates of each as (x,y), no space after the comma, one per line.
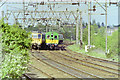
(15,42)
(98,38)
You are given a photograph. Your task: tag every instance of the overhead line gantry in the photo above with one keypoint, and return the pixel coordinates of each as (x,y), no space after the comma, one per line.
(55,15)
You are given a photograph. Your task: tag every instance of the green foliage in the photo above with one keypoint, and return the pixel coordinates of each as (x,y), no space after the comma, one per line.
(76,48)
(15,42)
(118,40)
(113,44)
(98,38)
(85,35)
(39,27)
(68,32)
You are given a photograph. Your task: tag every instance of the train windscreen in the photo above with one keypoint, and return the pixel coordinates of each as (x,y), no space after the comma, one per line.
(39,36)
(34,36)
(55,37)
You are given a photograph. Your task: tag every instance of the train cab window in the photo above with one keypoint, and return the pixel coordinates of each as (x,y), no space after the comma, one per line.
(48,36)
(34,36)
(39,35)
(51,35)
(55,37)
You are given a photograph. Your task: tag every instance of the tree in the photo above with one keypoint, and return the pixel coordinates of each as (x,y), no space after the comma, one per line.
(93,22)
(103,25)
(98,24)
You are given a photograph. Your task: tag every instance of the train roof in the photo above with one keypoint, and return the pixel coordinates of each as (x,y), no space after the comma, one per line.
(52,32)
(36,32)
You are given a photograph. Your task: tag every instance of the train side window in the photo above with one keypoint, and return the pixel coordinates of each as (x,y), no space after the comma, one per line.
(39,35)
(55,37)
(48,36)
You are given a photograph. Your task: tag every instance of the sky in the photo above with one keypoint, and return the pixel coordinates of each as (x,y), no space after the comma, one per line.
(60,0)
(112,11)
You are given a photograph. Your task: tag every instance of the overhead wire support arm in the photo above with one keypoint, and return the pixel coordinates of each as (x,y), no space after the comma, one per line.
(100,5)
(3,3)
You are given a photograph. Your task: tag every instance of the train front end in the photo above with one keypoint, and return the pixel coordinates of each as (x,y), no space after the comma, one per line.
(52,40)
(36,40)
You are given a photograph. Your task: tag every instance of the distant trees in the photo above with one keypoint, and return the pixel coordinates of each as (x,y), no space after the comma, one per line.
(98,24)
(39,27)
(102,24)
(93,22)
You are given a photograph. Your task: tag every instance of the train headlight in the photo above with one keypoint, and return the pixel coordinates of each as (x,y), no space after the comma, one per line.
(35,43)
(38,43)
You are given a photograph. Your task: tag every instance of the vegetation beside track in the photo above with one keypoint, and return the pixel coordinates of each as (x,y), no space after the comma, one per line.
(77,49)
(98,54)
(98,37)
(15,45)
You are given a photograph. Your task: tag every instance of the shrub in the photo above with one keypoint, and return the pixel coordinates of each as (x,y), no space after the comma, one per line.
(15,42)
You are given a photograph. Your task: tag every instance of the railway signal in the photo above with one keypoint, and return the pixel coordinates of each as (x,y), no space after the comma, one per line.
(94,8)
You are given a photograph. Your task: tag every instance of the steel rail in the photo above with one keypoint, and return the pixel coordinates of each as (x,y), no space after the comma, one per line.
(89,62)
(85,64)
(78,70)
(56,67)
(41,71)
(27,76)
(98,59)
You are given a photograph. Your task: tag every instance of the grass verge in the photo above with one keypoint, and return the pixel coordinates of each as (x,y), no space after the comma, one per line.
(76,48)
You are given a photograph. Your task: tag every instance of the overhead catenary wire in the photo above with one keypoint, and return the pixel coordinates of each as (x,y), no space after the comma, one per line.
(52,10)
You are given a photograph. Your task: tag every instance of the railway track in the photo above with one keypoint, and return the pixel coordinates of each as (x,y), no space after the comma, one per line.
(86,58)
(69,69)
(57,67)
(90,57)
(107,72)
(41,71)
(70,57)
(30,77)
(93,58)
(91,64)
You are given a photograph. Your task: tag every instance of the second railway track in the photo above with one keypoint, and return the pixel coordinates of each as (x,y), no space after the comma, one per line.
(66,68)
(79,70)
(57,67)
(78,60)
(93,58)
(93,70)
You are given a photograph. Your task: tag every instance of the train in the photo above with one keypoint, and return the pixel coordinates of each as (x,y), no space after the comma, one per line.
(36,39)
(48,40)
